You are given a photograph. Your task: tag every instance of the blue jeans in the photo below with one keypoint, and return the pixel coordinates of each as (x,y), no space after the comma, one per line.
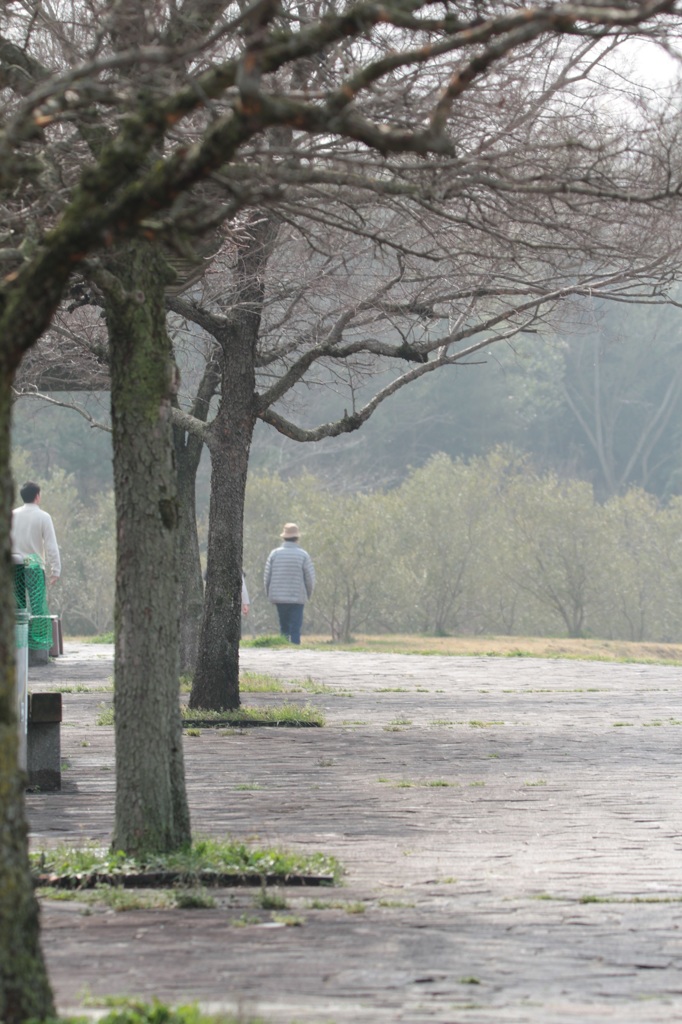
(290,621)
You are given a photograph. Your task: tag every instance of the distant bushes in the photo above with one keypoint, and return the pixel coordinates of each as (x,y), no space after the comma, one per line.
(482,547)
(487,546)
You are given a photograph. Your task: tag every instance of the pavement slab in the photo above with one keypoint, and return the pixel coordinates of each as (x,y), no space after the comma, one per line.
(510,829)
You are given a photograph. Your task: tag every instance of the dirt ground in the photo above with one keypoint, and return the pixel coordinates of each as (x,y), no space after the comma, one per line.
(510,830)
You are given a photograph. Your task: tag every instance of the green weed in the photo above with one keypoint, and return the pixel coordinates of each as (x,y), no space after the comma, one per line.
(101,638)
(131,1011)
(106,715)
(267,641)
(204,855)
(349,906)
(259,682)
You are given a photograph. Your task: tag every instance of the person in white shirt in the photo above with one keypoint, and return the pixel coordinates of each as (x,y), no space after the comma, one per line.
(33,533)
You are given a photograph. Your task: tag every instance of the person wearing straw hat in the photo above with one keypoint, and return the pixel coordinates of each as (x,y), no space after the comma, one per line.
(289,582)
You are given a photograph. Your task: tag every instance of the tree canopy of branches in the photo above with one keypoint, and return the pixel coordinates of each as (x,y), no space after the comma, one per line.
(127,129)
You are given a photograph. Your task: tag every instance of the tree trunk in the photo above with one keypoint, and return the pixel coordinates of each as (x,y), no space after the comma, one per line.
(151,804)
(188,449)
(216,680)
(188,453)
(24,986)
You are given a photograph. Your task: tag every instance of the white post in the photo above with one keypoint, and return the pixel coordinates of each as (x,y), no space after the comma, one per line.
(21,646)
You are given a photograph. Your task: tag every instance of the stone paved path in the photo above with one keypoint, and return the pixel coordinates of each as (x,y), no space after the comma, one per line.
(511,830)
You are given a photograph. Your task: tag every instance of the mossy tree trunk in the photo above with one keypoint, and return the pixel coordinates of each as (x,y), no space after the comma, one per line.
(151,803)
(24,986)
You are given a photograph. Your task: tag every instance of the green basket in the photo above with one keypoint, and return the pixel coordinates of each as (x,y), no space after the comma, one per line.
(30,596)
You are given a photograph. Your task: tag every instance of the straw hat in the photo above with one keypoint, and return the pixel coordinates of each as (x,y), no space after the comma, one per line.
(290,532)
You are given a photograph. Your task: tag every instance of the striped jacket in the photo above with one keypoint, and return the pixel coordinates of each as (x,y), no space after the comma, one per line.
(289,574)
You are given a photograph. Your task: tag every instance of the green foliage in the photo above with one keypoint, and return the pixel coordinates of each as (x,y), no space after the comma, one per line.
(120,899)
(106,715)
(102,638)
(132,1011)
(255,682)
(267,641)
(488,547)
(205,854)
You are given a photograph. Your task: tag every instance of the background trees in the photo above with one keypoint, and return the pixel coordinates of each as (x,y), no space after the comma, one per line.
(489,546)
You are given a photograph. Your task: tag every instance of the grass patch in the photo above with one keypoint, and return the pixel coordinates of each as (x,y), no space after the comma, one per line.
(259,682)
(120,899)
(589,898)
(100,638)
(193,865)
(245,920)
(349,906)
(277,714)
(132,1011)
(82,688)
(309,685)
(267,900)
(287,714)
(256,682)
(648,653)
(438,784)
(267,641)
(425,783)
(106,715)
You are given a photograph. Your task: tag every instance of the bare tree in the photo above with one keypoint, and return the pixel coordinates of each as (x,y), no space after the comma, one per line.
(132,126)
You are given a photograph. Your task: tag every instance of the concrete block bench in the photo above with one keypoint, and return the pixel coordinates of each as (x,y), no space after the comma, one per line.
(41,656)
(43,750)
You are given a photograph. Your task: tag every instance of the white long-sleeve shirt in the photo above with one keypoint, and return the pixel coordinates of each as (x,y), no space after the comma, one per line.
(33,534)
